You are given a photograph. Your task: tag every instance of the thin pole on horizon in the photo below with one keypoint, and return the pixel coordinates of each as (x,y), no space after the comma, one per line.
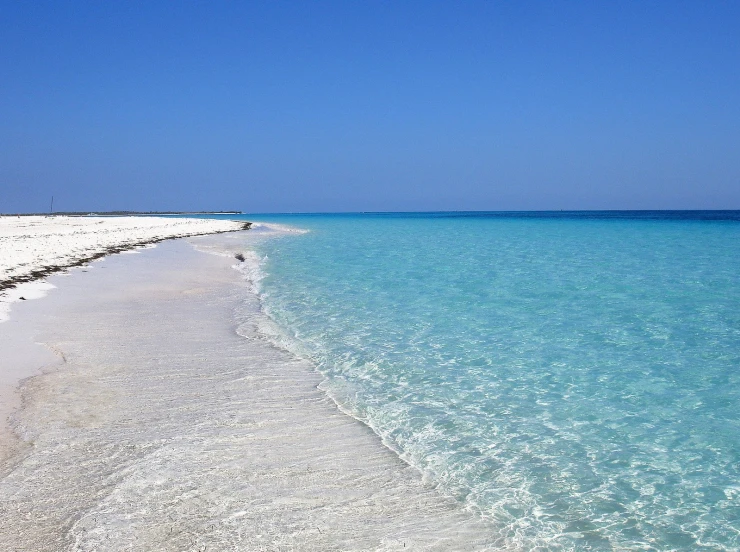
(51,207)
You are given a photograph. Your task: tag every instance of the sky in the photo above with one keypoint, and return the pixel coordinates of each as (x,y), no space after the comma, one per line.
(323,106)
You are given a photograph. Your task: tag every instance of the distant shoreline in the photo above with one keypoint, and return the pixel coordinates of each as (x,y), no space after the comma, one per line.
(119,213)
(606,213)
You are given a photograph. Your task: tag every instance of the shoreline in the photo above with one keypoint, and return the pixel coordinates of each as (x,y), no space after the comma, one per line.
(119,213)
(167,395)
(41,273)
(71,256)
(26,244)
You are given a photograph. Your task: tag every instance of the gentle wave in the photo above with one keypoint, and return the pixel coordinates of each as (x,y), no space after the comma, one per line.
(573,381)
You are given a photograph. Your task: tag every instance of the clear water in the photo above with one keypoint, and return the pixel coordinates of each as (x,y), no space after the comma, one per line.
(169,424)
(575,378)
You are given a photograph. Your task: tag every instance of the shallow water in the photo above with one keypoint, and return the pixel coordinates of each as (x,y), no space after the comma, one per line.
(575,379)
(171,424)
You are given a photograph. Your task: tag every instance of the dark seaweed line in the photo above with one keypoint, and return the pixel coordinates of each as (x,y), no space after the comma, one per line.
(47,270)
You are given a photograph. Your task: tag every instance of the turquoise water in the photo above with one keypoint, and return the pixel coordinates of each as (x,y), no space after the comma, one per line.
(575,379)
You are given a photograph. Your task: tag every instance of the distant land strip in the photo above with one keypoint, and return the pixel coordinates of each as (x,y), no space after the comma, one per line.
(119,213)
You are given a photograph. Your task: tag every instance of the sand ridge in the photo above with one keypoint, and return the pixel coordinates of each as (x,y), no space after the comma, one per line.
(32,243)
(32,247)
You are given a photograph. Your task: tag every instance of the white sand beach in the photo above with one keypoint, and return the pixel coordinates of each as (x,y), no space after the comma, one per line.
(162,420)
(32,247)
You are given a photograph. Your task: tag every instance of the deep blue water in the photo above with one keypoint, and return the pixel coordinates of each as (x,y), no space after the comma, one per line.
(572,376)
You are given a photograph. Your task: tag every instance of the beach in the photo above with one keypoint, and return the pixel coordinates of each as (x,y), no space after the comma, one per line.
(424,381)
(160,418)
(35,246)
(32,247)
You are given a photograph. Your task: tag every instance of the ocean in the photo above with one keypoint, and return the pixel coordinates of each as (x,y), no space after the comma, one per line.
(572,378)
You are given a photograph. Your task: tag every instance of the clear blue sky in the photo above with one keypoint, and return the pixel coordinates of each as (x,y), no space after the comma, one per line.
(369,105)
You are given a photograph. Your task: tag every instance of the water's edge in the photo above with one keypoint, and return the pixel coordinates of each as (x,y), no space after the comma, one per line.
(166,429)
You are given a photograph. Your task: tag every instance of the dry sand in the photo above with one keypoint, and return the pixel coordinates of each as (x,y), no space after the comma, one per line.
(29,244)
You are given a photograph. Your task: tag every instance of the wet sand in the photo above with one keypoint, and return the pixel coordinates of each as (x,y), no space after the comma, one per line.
(35,247)
(164,421)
